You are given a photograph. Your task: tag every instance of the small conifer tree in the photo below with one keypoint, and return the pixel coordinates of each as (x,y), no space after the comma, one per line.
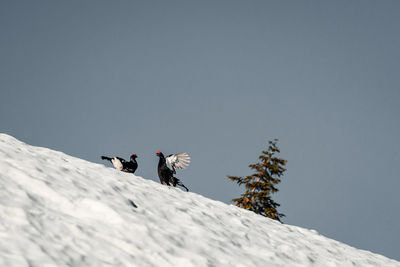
(261,184)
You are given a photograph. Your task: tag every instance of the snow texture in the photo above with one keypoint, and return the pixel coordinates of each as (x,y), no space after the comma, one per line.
(57,210)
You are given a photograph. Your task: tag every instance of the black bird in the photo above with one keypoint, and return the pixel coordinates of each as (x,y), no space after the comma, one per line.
(167,168)
(123,165)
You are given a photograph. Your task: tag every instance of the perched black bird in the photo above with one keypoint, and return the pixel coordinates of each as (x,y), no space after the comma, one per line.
(123,165)
(168,165)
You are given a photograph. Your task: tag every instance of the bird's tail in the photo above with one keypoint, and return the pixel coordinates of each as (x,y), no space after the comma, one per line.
(105,158)
(178,182)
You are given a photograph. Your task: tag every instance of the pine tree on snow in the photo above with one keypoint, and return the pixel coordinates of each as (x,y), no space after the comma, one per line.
(262,183)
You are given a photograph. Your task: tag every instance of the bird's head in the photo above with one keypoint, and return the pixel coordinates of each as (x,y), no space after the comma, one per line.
(133,156)
(159,154)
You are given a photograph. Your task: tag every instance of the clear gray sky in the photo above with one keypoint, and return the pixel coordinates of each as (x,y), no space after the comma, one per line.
(218,79)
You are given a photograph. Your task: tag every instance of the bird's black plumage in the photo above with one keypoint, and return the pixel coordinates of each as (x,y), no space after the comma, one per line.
(123,165)
(167,165)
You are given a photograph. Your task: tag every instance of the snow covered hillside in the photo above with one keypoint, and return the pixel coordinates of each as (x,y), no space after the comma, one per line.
(57,210)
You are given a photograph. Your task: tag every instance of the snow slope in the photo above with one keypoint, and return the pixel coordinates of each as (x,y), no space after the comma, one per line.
(57,210)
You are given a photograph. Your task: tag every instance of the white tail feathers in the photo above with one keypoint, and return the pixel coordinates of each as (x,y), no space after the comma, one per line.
(117,164)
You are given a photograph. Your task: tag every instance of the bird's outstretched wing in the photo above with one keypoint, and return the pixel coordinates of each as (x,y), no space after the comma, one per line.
(177,161)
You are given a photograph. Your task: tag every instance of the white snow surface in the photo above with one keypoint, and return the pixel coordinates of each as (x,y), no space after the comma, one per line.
(57,210)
